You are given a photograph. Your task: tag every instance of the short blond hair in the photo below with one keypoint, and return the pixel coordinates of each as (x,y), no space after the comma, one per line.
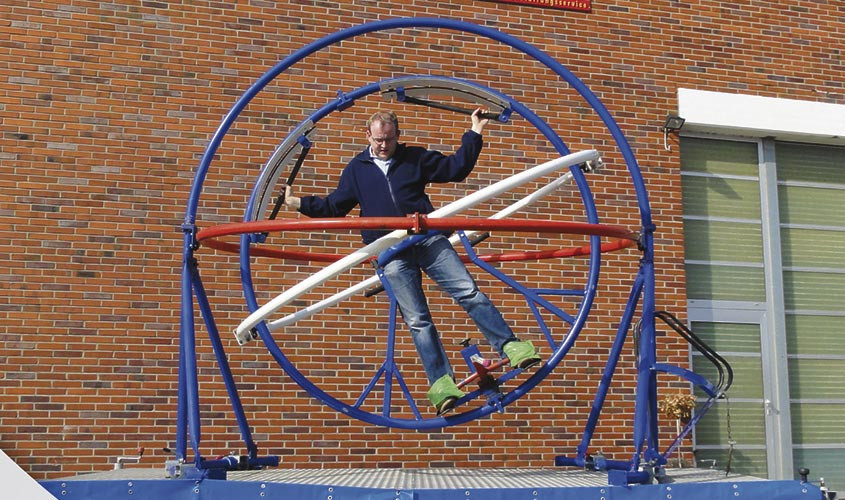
(384,117)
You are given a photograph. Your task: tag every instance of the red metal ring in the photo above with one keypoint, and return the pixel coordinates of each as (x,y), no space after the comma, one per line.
(625,238)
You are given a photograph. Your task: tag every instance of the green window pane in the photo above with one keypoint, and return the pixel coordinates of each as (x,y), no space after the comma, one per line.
(711,240)
(814,423)
(813,248)
(810,163)
(745,420)
(814,291)
(729,337)
(826,463)
(720,197)
(747,371)
(719,157)
(816,378)
(811,205)
(814,334)
(725,283)
(748,462)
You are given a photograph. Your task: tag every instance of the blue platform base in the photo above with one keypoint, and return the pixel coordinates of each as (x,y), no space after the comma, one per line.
(423,484)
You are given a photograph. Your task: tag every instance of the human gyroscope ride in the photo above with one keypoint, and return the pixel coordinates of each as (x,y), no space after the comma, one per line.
(485,379)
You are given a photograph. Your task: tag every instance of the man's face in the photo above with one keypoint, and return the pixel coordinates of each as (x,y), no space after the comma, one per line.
(383,138)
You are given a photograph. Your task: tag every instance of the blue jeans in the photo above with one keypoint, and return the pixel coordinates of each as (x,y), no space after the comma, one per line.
(436,256)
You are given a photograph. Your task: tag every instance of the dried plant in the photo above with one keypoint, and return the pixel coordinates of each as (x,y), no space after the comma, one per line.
(678,406)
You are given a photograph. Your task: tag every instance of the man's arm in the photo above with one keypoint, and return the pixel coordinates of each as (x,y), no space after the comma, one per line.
(337,204)
(456,167)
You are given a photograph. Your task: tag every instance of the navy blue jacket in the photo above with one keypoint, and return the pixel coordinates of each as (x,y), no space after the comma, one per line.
(402,191)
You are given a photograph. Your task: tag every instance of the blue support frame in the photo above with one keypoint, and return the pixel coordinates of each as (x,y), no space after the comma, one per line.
(188,421)
(645,436)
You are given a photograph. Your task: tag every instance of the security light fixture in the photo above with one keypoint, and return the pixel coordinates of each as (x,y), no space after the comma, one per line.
(672,125)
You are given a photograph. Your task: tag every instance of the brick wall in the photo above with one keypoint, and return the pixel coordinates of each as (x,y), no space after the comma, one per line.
(106,108)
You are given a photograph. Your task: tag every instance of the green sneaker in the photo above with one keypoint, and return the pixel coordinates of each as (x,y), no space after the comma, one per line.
(444,393)
(521,354)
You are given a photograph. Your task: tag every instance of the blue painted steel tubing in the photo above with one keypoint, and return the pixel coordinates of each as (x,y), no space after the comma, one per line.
(565,74)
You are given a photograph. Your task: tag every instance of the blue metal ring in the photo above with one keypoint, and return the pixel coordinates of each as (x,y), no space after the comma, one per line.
(565,74)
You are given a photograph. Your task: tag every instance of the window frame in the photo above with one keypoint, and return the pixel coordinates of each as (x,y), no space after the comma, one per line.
(770,315)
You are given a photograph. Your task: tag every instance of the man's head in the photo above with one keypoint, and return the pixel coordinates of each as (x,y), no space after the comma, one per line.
(383,134)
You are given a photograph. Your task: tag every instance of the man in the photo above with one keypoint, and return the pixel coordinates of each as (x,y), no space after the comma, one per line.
(388,179)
